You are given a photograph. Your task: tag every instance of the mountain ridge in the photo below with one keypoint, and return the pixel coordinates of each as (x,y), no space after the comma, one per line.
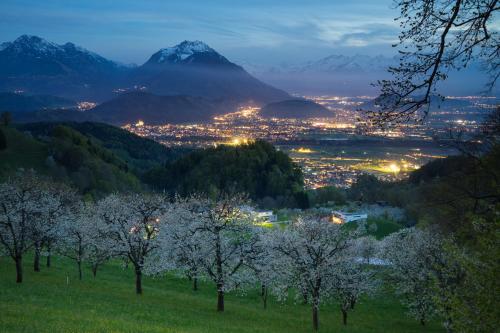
(37,66)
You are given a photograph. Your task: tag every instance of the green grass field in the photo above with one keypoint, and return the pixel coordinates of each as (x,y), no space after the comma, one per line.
(46,302)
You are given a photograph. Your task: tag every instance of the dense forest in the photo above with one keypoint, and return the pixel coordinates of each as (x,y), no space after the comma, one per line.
(258,169)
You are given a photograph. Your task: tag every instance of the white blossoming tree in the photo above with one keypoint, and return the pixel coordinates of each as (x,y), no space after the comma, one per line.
(259,258)
(78,233)
(56,200)
(367,248)
(20,210)
(350,281)
(412,254)
(225,232)
(129,223)
(180,243)
(99,250)
(307,255)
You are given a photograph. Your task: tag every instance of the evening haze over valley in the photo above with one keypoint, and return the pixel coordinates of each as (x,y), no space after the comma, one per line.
(254,166)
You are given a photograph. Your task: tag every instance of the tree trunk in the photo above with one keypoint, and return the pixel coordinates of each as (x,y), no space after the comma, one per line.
(94,270)
(220,298)
(79,262)
(344,317)
(36,263)
(49,254)
(195,283)
(138,280)
(422,322)
(19,269)
(315,316)
(264,297)
(305,297)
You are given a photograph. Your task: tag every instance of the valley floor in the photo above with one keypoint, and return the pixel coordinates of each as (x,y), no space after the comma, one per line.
(54,300)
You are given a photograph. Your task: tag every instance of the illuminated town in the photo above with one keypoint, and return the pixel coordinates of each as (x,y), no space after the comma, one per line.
(334,150)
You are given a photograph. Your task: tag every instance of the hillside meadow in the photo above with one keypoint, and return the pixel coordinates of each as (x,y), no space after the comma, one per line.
(54,300)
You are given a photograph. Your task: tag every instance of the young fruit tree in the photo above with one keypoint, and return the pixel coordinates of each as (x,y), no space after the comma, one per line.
(98,250)
(367,248)
(352,280)
(225,232)
(20,210)
(412,255)
(56,200)
(307,256)
(259,258)
(179,242)
(129,224)
(77,234)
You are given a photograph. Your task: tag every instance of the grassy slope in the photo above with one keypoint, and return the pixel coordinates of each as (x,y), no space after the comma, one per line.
(46,303)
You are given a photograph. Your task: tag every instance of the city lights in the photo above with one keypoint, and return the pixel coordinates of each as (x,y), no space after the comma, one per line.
(311,142)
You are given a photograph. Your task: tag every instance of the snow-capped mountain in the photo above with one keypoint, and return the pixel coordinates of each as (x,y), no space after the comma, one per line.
(34,55)
(349,64)
(189,52)
(331,64)
(194,68)
(181,52)
(355,75)
(37,66)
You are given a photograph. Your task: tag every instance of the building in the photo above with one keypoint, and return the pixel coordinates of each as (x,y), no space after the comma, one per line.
(266,216)
(342,217)
(260,215)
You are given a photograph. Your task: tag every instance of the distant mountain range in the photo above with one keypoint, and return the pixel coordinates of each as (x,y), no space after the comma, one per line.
(189,82)
(36,66)
(353,75)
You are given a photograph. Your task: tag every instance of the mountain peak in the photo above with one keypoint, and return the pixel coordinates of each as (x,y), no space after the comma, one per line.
(37,47)
(181,52)
(33,43)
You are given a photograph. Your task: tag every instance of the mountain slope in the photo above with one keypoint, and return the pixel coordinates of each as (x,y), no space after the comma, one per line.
(70,157)
(295,108)
(194,68)
(37,66)
(153,109)
(139,153)
(13,102)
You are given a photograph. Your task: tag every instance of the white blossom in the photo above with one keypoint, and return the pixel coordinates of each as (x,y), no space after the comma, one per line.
(307,255)
(129,225)
(22,208)
(412,254)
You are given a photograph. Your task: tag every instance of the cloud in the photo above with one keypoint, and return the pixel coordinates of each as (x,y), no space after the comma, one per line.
(295,28)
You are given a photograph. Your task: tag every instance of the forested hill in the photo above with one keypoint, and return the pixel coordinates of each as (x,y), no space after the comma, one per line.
(257,169)
(97,159)
(140,154)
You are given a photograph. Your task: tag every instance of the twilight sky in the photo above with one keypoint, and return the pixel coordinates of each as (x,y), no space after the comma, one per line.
(258,31)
